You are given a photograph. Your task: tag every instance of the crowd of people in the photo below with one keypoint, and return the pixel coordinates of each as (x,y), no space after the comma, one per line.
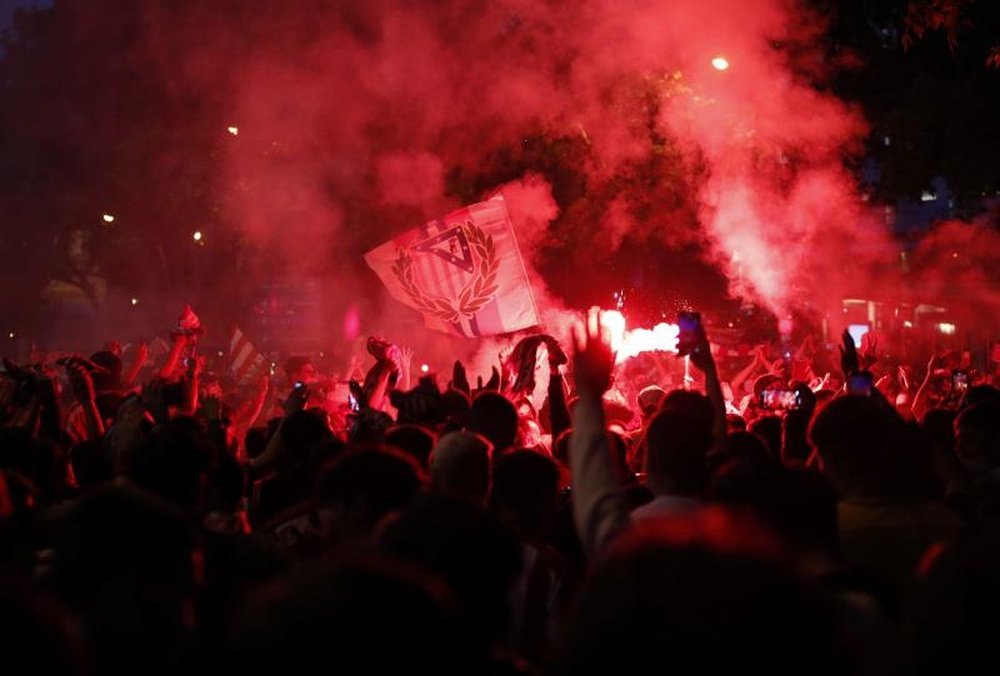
(784,514)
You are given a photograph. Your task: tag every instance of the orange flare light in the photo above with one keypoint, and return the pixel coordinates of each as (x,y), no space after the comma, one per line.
(631,343)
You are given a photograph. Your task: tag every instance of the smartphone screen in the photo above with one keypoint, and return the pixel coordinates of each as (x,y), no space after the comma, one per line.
(781,400)
(960,382)
(299,385)
(689,328)
(860,383)
(858,332)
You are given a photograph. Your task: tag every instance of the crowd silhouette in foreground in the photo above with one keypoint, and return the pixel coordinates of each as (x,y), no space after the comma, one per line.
(167,522)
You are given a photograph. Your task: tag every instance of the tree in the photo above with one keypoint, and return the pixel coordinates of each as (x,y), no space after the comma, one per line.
(925,73)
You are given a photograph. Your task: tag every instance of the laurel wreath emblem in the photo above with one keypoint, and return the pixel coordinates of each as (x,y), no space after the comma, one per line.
(479,290)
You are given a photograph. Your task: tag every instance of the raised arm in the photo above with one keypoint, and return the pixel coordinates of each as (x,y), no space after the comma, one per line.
(737,381)
(169,367)
(922,400)
(702,358)
(83,389)
(559,417)
(296,401)
(599,507)
(141,353)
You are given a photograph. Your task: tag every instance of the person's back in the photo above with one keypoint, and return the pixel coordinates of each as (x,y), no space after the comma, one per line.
(494,417)
(414,440)
(885,523)
(702,593)
(677,443)
(525,496)
(371,615)
(303,433)
(470,549)
(124,562)
(460,467)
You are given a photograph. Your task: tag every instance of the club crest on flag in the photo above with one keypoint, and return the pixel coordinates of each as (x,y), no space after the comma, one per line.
(463,272)
(479,258)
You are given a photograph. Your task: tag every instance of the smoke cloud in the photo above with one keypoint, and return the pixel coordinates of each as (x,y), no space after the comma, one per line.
(602,121)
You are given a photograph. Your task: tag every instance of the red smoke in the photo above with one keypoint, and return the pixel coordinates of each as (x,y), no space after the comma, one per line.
(359,120)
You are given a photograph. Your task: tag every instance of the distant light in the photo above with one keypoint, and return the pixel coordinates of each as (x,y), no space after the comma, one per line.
(947,328)
(10,335)
(424,368)
(954,254)
(222,353)
(907,324)
(233,130)
(887,141)
(135,301)
(322,354)
(927,196)
(196,236)
(108,218)
(720,63)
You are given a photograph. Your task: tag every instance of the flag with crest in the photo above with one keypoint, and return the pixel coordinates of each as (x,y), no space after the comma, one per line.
(463,272)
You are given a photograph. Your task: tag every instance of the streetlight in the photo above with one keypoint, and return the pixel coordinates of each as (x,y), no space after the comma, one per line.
(720,63)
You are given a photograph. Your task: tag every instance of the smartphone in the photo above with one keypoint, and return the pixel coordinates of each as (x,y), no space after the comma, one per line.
(353,403)
(860,383)
(960,382)
(781,400)
(298,385)
(858,332)
(689,333)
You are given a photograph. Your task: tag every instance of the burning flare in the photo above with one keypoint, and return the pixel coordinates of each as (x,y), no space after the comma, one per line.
(631,343)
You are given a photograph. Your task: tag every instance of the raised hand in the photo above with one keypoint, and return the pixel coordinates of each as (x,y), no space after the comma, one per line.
(593,360)
(405,358)
(358,392)
(297,398)
(848,354)
(459,378)
(81,381)
(701,355)
(493,383)
(869,353)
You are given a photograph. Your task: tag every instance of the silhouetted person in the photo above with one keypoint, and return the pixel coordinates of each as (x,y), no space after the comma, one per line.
(678,440)
(703,592)
(494,416)
(460,467)
(885,522)
(125,563)
(414,440)
(363,616)
(476,554)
